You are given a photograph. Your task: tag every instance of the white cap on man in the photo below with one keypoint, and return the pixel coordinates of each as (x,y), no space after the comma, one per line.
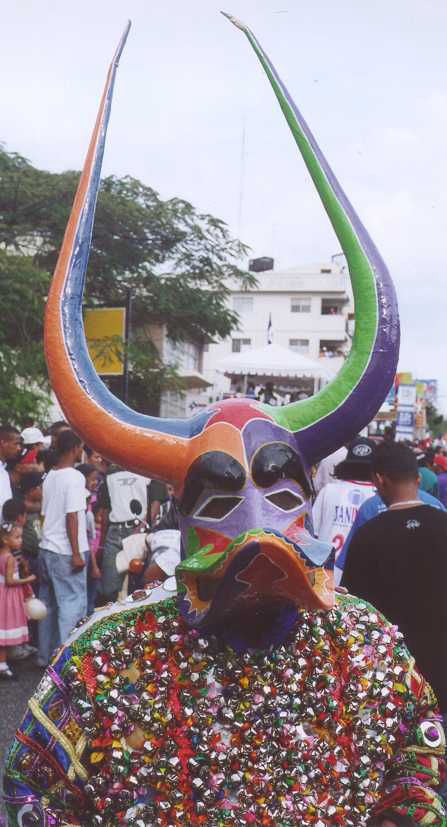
(32,436)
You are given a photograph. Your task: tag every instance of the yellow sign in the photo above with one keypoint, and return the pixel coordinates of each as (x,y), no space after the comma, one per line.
(404,378)
(420,390)
(105,329)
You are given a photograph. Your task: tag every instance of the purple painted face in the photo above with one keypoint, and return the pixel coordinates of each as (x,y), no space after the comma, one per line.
(272,490)
(246,531)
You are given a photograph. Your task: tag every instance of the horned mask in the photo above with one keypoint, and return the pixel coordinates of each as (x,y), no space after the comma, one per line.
(240,468)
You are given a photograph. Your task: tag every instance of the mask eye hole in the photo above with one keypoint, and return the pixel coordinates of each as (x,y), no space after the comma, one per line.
(216,508)
(285,500)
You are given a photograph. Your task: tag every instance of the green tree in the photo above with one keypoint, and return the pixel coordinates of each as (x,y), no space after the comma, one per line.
(176,262)
(23,379)
(435,421)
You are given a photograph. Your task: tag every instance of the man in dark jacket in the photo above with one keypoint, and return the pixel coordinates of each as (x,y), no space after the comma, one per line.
(398,562)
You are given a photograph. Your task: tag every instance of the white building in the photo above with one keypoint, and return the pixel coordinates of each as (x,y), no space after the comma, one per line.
(187,357)
(309,307)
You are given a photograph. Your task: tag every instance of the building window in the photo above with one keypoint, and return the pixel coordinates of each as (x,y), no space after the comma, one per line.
(239,345)
(330,349)
(184,355)
(299,345)
(332,307)
(173,405)
(301,304)
(243,304)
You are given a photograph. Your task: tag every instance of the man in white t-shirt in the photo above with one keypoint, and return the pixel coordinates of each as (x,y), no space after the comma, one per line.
(123,498)
(63,548)
(338,502)
(10,444)
(325,470)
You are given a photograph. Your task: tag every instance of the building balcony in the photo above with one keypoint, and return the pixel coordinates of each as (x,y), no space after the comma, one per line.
(331,324)
(193,380)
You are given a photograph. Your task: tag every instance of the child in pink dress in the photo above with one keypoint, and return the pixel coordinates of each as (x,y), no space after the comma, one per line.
(13,622)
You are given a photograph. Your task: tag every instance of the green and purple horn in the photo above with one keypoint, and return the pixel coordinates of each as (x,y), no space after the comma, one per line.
(333,416)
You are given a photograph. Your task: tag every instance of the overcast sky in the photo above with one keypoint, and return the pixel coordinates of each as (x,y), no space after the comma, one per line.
(370,78)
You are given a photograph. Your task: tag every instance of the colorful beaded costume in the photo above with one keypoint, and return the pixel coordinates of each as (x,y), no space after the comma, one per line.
(254,696)
(143,721)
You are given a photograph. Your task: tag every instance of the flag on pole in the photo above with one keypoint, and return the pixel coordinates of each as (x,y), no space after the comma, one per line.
(270,331)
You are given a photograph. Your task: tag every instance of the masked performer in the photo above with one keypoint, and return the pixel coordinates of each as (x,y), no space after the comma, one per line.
(254,695)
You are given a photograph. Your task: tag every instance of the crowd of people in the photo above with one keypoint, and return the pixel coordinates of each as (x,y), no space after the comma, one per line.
(65,514)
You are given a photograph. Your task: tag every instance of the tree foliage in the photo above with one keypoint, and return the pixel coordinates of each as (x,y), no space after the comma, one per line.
(23,380)
(176,262)
(436,423)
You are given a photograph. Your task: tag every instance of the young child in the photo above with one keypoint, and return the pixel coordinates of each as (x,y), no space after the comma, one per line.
(13,622)
(14,511)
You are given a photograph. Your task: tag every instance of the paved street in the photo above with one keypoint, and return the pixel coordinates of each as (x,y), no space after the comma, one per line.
(13,698)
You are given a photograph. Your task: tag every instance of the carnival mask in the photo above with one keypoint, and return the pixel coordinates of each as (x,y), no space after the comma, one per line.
(240,468)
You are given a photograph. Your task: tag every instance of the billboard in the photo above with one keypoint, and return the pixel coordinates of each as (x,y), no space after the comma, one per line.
(406,419)
(430,390)
(105,331)
(406,395)
(406,409)
(404,379)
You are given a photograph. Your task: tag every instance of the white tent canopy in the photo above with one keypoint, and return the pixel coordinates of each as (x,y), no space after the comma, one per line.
(273,362)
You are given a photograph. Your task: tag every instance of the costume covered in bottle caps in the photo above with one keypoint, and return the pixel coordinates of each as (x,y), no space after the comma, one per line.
(142,717)
(244,691)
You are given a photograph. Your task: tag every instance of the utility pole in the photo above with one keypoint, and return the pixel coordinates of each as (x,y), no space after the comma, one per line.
(127,331)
